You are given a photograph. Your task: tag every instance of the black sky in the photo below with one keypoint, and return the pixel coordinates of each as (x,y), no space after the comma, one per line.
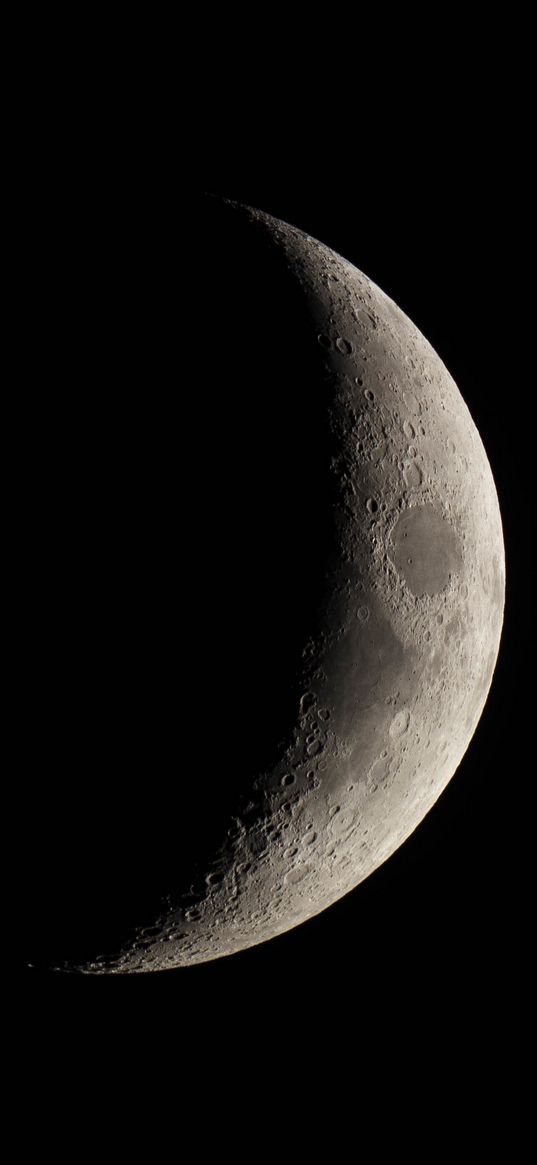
(444,920)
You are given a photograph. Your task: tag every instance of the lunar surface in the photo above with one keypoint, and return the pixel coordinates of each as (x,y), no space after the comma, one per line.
(338,533)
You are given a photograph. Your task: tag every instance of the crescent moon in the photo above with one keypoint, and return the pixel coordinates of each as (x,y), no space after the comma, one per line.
(405,622)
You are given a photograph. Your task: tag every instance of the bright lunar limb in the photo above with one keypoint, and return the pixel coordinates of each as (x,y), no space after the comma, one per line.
(408,572)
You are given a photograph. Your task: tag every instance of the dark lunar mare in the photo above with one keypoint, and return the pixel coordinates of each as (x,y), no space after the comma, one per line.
(178,539)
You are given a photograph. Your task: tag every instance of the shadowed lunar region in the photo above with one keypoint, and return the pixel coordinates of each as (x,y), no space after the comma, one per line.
(285,601)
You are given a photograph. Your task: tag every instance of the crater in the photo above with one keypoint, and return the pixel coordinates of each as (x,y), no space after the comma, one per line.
(400,723)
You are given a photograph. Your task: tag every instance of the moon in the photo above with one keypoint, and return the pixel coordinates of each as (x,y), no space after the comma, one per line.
(349,569)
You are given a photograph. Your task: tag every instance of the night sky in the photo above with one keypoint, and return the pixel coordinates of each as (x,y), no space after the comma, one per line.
(441,927)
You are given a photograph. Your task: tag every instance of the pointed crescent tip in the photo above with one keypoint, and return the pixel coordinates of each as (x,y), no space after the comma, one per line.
(215,194)
(227,201)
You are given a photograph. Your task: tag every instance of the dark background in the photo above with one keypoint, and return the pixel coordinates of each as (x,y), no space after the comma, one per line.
(440,930)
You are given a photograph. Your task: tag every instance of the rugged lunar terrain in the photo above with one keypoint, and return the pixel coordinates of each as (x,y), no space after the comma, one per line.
(395,671)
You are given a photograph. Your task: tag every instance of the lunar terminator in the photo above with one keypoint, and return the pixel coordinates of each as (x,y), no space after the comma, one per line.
(388,537)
